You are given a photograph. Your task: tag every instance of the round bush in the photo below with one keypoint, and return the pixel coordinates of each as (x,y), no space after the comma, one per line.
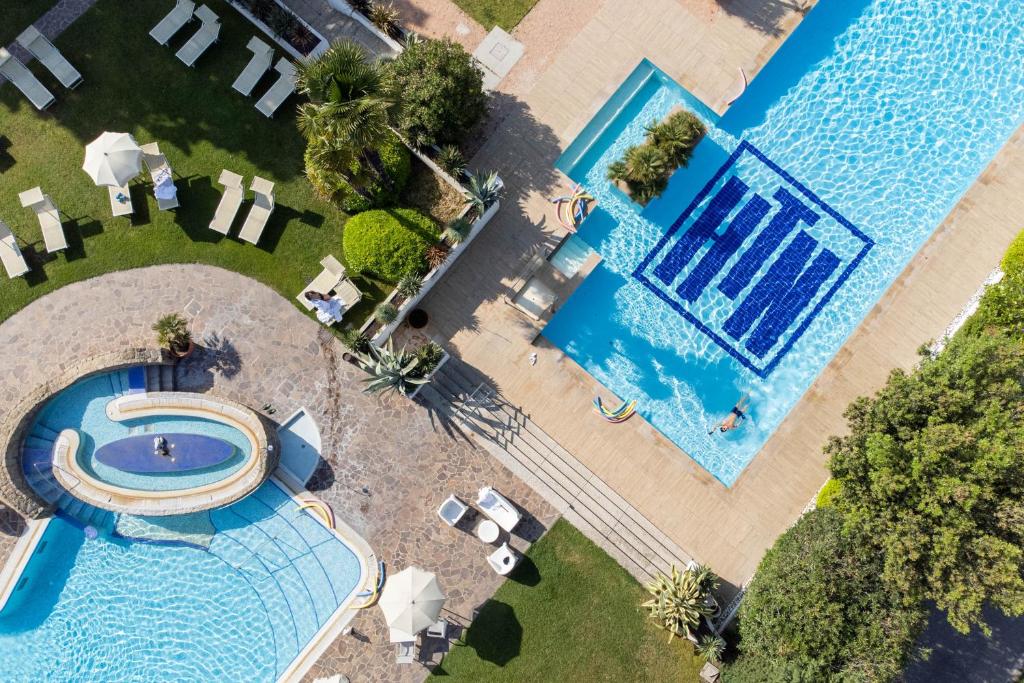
(389,243)
(1013,260)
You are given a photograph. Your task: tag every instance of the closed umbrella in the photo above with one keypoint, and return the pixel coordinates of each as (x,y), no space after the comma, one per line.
(113,159)
(411,601)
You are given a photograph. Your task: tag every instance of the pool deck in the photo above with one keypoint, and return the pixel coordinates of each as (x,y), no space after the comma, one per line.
(542,105)
(255,347)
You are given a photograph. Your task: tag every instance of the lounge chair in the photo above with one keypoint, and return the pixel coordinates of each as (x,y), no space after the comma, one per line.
(24,80)
(405,653)
(160,172)
(202,39)
(120,200)
(504,560)
(49,218)
(498,508)
(332,280)
(262,207)
(172,23)
(452,510)
(10,253)
(262,58)
(439,629)
(283,87)
(230,200)
(50,57)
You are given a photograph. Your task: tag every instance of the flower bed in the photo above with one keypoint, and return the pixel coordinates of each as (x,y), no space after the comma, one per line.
(287,29)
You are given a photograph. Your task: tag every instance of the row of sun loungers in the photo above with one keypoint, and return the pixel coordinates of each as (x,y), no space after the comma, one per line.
(48,216)
(36,44)
(231,200)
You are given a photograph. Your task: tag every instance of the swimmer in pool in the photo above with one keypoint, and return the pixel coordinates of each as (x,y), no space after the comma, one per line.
(736,415)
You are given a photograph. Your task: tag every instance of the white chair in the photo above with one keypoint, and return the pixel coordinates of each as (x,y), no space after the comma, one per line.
(405,653)
(10,253)
(230,200)
(42,49)
(259,214)
(283,87)
(202,39)
(262,58)
(498,508)
(49,218)
(332,280)
(172,23)
(452,510)
(161,173)
(120,201)
(439,629)
(24,80)
(504,560)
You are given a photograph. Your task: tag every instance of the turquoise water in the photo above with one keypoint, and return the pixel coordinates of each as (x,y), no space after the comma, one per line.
(82,407)
(571,255)
(887,112)
(113,609)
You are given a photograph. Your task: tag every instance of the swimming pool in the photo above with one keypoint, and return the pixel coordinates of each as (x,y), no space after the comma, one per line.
(797,211)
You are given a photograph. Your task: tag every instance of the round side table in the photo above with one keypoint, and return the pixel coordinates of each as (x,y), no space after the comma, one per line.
(487,531)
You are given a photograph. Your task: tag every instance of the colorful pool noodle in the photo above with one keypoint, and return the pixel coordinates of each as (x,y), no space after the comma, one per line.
(620,414)
(371,596)
(572,208)
(322,510)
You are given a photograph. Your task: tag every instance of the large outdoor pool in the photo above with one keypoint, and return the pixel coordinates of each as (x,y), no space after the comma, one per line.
(797,211)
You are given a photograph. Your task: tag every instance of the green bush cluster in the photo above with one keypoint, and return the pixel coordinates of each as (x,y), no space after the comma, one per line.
(646,168)
(389,243)
(332,186)
(828,493)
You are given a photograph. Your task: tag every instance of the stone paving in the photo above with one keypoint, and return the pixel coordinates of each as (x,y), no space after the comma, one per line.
(335,25)
(256,347)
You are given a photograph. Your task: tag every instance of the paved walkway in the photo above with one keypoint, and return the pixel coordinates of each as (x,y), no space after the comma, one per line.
(335,25)
(257,347)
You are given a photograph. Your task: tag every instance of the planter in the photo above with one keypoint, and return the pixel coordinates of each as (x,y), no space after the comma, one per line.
(348,11)
(186,352)
(298,38)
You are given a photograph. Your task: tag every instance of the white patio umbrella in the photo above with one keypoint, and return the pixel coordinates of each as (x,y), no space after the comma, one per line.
(411,601)
(113,159)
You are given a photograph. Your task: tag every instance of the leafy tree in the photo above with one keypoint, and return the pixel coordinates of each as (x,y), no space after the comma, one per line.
(816,610)
(441,91)
(932,472)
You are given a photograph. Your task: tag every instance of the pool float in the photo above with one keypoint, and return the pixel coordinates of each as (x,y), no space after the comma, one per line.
(371,596)
(322,510)
(620,414)
(572,208)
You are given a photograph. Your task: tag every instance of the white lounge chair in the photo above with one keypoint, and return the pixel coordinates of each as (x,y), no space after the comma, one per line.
(262,58)
(50,57)
(282,89)
(405,653)
(262,207)
(452,510)
(332,280)
(160,172)
(498,508)
(504,560)
(24,80)
(10,253)
(202,39)
(49,218)
(120,200)
(172,23)
(230,200)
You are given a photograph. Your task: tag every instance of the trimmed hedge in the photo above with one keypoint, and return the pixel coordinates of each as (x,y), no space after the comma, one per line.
(389,243)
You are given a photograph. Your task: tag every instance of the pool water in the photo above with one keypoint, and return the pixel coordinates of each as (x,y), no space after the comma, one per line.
(875,115)
(241,609)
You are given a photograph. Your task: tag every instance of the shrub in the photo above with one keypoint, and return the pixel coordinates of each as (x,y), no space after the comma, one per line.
(355,341)
(409,286)
(436,255)
(429,355)
(457,231)
(330,185)
(827,494)
(1013,260)
(385,313)
(388,243)
(386,18)
(441,91)
(451,160)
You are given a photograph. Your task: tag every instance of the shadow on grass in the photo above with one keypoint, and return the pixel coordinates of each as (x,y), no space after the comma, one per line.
(527,573)
(496,635)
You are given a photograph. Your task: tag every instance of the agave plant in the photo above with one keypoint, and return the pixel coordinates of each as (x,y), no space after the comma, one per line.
(482,190)
(711,647)
(677,603)
(409,286)
(391,370)
(457,231)
(355,341)
(385,313)
(451,160)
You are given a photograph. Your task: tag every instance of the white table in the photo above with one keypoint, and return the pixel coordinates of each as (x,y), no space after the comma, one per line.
(487,531)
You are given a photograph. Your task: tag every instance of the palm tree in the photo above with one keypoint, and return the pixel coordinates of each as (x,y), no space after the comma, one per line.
(644,169)
(348,113)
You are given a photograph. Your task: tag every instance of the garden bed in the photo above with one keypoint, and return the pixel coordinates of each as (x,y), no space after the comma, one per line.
(283,25)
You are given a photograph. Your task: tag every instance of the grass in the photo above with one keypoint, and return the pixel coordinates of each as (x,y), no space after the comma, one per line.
(134,85)
(18,14)
(569,613)
(490,13)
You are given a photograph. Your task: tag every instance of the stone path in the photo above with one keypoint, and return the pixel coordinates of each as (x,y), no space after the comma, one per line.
(257,347)
(335,25)
(52,24)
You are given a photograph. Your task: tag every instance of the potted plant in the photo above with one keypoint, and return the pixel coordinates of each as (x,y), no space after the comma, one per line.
(172,333)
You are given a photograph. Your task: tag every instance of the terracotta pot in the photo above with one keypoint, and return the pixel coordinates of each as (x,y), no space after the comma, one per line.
(186,353)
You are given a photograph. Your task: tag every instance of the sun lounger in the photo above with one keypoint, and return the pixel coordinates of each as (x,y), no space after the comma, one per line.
(10,253)
(262,58)
(161,173)
(282,89)
(498,508)
(24,80)
(50,57)
(332,280)
(232,198)
(49,218)
(262,207)
(172,23)
(202,39)
(120,201)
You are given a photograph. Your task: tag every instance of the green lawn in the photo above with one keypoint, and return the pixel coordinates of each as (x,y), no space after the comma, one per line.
(18,14)
(490,13)
(134,85)
(568,613)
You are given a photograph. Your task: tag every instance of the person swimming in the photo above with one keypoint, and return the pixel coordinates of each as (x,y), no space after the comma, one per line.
(736,415)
